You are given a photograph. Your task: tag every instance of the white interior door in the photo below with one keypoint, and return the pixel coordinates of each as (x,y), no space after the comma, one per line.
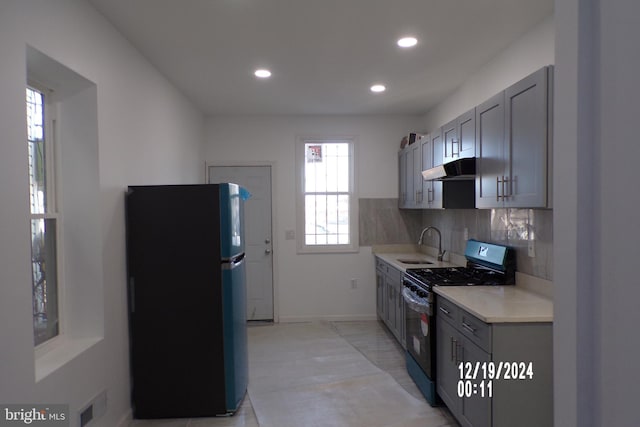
(258,238)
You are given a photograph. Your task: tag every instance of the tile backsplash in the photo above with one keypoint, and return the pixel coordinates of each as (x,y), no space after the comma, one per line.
(381,222)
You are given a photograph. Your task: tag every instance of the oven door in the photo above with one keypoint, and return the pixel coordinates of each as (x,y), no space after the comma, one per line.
(420,331)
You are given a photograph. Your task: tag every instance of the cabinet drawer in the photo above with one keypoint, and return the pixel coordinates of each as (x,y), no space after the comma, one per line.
(476,330)
(447,310)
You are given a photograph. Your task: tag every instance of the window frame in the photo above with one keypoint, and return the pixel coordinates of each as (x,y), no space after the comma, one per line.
(52,211)
(301,245)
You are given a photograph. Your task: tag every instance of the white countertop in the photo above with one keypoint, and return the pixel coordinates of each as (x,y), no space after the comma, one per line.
(499,304)
(394,259)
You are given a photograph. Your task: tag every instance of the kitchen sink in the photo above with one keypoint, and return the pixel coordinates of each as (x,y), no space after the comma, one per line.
(414,261)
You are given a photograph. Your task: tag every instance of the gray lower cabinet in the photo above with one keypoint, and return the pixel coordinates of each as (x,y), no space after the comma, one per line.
(475,396)
(389,301)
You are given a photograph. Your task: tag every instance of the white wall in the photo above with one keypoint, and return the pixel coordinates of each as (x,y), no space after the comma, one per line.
(596,209)
(532,51)
(314,286)
(147,133)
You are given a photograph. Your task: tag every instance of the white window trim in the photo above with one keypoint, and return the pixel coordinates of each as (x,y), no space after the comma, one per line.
(301,246)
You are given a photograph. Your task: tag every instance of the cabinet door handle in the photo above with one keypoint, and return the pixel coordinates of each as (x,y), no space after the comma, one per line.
(458,359)
(469,327)
(454,345)
(506,182)
(455,142)
(444,310)
(498,188)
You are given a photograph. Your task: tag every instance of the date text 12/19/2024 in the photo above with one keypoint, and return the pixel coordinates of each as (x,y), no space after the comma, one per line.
(476,378)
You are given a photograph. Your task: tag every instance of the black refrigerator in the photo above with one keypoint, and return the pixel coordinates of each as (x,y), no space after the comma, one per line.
(187,300)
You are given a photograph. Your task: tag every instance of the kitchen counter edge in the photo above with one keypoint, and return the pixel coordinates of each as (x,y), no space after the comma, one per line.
(500,304)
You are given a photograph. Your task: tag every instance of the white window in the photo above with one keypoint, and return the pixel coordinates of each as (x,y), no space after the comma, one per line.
(44,218)
(326,197)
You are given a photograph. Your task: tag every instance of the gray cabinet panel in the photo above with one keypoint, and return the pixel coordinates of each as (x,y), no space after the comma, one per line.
(427,162)
(450,141)
(526,149)
(466,124)
(402,182)
(448,344)
(459,137)
(489,151)
(418,187)
(535,349)
(438,157)
(476,409)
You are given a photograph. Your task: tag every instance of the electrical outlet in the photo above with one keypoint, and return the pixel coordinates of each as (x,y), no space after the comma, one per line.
(354,283)
(531,249)
(466,234)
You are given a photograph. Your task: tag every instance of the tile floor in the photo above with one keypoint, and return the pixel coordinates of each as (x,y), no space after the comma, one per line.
(329,374)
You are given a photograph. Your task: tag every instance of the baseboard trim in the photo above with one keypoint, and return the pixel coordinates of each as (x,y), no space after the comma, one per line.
(126,419)
(328,318)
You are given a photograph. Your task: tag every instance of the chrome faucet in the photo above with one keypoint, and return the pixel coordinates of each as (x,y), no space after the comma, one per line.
(440,251)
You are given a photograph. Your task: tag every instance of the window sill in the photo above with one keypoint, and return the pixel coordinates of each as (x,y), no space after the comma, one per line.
(63,352)
(327,250)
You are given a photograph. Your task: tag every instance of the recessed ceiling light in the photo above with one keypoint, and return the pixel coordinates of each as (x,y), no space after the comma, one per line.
(262,73)
(407,42)
(378,88)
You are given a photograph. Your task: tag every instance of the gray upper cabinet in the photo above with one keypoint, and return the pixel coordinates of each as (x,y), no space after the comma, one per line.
(450,141)
(510,137)
(512,145)
(402,183)
(466,125)
(407,195)
(489,151)
(459,137)
(426,160)
(414,192)
(416,171)
(434,193)
(526,141)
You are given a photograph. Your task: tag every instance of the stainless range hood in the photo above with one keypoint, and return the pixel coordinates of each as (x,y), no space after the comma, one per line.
(456,169)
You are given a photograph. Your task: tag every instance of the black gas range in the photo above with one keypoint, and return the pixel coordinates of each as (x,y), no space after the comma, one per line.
(487,264)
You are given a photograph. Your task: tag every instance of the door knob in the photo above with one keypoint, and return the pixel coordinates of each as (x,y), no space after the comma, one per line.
(267,251)
(267,241)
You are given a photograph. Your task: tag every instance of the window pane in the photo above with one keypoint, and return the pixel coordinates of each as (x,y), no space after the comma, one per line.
(35,140)
(44,275)
(327,218)
(326,167)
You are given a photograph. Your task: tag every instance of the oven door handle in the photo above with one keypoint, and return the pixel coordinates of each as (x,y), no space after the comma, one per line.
(416,303)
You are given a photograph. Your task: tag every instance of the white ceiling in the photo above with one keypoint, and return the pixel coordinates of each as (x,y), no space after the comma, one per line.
(324,54)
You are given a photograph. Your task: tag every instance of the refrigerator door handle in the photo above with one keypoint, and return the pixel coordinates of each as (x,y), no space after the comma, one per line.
(230,264)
